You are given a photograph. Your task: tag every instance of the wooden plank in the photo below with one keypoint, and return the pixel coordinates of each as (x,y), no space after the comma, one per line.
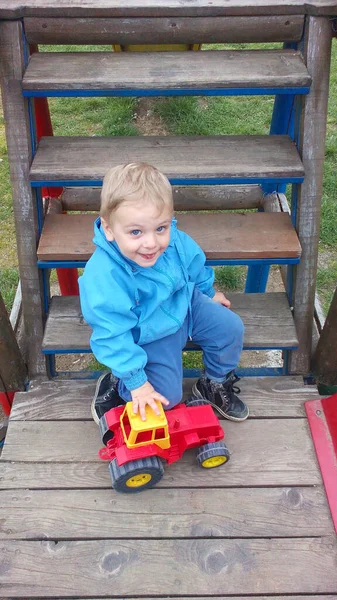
(186,157)
(85,514)
(186,567)
(325,359)
(302,597)
(312,147)
(10,9)
(266,397)
(267,319)
(268,452)
(181,30)
(191,197)
(220,235)
(24,203)
(220,69)
(13,370)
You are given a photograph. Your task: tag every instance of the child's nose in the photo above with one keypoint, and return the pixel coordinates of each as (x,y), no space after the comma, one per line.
(150,241)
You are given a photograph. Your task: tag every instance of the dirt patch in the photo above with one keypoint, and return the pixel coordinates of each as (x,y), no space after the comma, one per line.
(147,122)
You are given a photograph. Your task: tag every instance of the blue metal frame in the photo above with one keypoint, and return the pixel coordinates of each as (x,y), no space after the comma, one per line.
(67,264)
(187,373)
(78,93)
(89,351)
(173,181)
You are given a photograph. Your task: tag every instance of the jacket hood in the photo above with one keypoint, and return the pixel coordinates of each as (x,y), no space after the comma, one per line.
(113,250)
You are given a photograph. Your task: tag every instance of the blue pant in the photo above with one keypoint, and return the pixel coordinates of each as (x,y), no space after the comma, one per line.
(219,333)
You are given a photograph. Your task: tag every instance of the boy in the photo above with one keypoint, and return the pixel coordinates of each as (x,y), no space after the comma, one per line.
(145,291)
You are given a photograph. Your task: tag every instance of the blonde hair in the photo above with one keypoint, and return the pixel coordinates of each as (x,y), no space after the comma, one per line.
(134,182)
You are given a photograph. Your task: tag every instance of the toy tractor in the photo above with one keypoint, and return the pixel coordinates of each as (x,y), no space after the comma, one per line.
(137,448)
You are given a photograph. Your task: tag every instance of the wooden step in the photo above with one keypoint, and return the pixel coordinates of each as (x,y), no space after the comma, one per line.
(267,318)
(70,72)
(221,235)
(199,159)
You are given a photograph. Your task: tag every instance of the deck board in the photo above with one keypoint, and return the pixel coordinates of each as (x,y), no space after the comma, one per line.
(267,319)
(203,566)
(231,157)
(220,69)
(266,396)
(252,528)
(220,235)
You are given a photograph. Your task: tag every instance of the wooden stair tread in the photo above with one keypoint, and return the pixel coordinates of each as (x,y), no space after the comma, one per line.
(267,319)
(232,158)
(221,235)
(280,396)
(175,70)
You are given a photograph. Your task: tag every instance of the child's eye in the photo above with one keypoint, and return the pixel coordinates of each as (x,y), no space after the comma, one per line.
(161,228)
(135,232)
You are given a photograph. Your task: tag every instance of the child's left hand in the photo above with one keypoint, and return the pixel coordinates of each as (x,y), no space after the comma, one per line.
(221,299)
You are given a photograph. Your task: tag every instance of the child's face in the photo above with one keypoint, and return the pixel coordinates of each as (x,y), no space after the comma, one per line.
(141,230)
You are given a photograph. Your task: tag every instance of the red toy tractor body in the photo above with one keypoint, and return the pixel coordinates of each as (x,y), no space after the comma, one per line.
(138,467)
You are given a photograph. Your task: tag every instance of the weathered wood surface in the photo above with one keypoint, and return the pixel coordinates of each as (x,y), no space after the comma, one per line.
(186,157)
(13,370)
(312,148)
(267,319)
(220,69)
(24,202)
(84,514)
(191,197)
(220,235)
(265,396)
(325,358)
(185,566)
(181,30)
(10,9)
(277,450)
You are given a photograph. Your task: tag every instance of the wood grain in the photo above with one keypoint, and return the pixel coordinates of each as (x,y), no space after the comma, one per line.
(267,319)
(24,202)
(176,70)
(185,566)
(10,9)
(179,30)
(245,513)
(266,397)
(279,451)
(221,236)
(187,157)
(312,147)
(191,197)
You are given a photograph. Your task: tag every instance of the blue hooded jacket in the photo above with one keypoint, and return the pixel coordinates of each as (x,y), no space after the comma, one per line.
(128,305)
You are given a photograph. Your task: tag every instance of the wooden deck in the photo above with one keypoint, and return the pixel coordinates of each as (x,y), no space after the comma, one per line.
(256,527)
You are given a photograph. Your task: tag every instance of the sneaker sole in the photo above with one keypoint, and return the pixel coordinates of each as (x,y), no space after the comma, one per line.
(92,408)
(198,395)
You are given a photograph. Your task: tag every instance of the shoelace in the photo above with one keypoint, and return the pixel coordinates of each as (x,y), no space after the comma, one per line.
(228,388)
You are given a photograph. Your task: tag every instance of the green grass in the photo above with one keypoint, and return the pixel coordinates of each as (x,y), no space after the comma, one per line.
(9,279)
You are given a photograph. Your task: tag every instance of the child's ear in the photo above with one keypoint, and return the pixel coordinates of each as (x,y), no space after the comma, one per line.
(107,230)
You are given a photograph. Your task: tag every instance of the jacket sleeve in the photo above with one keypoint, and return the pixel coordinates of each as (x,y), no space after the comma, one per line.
(198,272)
(108,310)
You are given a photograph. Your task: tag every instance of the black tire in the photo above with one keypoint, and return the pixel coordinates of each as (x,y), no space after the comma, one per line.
(136,475)
(196,402)
(211,452)
(105,432)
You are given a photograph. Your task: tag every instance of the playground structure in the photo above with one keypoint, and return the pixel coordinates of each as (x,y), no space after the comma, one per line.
(262,525)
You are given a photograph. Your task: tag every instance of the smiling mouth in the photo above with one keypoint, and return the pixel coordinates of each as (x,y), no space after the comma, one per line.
(148,256)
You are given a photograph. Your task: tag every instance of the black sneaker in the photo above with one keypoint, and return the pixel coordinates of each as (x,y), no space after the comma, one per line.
(222,396)
(106,396)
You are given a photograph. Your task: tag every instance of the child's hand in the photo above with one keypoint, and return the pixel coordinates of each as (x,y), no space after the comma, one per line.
(221,299)
(146,394)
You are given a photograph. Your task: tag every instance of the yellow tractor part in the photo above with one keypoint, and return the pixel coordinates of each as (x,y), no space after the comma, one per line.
(142,433)
(214,461)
